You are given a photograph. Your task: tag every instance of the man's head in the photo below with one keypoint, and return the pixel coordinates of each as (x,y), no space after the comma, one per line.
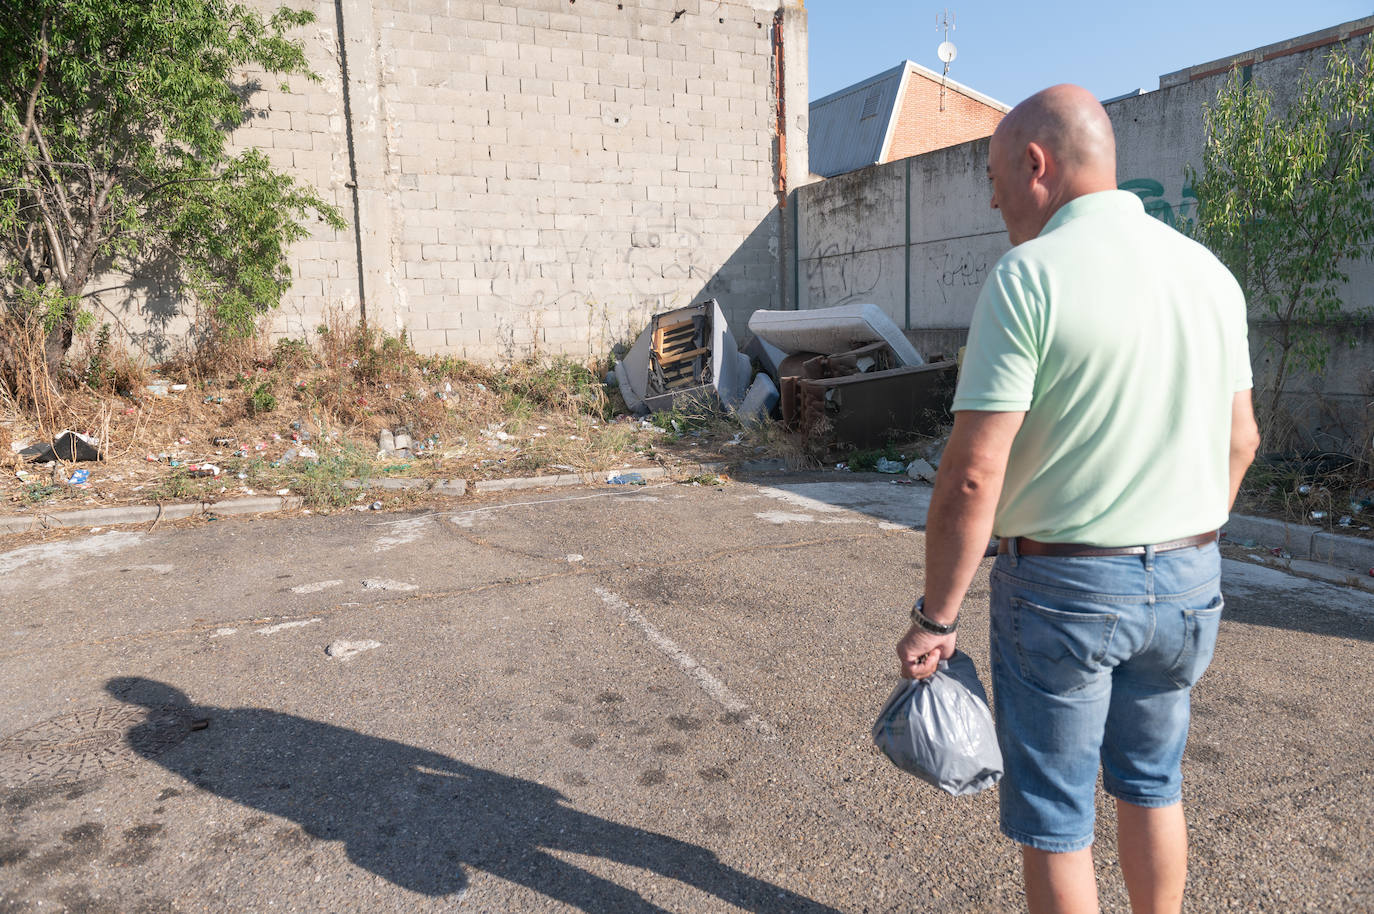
(1053,147)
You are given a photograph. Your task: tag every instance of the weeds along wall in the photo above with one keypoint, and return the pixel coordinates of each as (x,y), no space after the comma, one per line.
(528,174)
(918,237)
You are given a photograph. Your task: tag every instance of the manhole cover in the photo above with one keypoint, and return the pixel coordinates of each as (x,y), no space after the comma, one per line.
(88,743)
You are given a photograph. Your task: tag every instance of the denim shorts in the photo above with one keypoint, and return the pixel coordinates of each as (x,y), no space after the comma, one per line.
(1093,660)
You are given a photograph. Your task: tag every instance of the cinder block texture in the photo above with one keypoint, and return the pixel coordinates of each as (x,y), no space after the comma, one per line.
(562,170)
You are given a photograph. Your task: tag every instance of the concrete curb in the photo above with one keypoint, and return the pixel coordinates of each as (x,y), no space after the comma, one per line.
(1302,541)
(147,514)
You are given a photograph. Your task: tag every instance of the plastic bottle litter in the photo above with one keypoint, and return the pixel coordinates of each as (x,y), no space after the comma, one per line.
(626,479)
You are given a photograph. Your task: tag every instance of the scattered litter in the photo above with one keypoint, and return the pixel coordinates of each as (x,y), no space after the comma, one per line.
(343,650)
(1317,515)
(178,387)
(574,557)
(889,466)
(204,469)
(375,506)
(563,466)
(1345,521)
(309,453)
(222,632)
(627,479)
(79,478)
(283,492)
(384,584)
(1304,489)
(68,445)
(158,389)
(921,469)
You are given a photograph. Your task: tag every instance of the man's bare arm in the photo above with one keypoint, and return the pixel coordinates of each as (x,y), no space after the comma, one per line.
(958,526)
(1245,440)
(961,509)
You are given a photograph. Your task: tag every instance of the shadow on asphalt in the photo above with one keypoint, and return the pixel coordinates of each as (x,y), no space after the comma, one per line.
(416,817)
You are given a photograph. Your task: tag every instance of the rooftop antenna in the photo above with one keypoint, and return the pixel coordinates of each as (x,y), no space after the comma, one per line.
(946,51)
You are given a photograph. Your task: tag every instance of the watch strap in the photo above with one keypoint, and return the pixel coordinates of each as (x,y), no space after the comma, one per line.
(920,618)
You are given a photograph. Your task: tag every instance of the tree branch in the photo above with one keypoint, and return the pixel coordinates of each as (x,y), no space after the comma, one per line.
(55,180)
(30,110)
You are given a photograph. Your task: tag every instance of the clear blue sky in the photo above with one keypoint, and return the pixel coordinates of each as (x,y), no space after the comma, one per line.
(1009,50)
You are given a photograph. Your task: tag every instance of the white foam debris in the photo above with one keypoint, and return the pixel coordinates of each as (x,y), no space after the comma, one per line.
(282,626)
(345,650)
(316,587)
(384,584)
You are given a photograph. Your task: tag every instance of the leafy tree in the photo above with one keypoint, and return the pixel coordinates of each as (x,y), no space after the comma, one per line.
(114,121)
(1286,200)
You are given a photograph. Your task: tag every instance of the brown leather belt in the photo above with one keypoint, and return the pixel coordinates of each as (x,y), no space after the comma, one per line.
(1027,546)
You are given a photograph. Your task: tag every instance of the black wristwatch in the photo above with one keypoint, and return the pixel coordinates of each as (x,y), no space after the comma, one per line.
(920,618)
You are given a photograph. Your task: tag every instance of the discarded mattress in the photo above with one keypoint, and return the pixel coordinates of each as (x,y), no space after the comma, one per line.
(688,352)
(829,330)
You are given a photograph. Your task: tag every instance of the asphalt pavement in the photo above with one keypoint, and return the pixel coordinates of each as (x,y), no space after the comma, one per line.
(650,698)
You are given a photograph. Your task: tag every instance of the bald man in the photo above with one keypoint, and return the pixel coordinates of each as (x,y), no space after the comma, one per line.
(1103,424)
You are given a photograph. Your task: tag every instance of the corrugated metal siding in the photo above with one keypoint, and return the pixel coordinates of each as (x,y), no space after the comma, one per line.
(839,137)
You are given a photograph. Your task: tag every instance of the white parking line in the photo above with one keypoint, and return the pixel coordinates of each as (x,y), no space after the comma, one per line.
(712,686)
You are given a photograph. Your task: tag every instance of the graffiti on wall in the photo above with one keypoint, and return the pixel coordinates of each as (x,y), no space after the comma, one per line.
(1151,193)
(955,271)
(835,276)
(660,263)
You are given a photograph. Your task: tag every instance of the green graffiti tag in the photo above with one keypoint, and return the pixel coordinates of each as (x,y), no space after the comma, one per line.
(1151,193)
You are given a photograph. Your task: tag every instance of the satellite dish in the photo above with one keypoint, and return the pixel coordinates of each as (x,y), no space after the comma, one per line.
(946,51)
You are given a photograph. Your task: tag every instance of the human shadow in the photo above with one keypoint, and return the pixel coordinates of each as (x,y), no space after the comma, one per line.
(416,817)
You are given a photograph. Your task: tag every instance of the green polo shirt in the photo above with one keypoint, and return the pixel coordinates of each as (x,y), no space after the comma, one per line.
(1123,342)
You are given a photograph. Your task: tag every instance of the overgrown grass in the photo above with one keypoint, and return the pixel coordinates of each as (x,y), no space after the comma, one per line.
(322,483)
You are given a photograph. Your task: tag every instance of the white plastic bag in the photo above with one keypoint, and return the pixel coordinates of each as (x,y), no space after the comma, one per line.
(940,729)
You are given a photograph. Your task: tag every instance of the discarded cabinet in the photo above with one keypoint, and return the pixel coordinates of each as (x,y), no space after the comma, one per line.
(870,409)
(688,352)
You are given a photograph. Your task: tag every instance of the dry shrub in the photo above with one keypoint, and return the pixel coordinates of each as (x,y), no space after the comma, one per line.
(103,362)
(24,375)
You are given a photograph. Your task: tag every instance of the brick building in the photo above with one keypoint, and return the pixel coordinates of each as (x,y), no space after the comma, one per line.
(901,112)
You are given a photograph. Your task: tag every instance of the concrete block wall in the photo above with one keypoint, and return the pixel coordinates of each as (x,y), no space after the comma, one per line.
(918,236)
(535,175)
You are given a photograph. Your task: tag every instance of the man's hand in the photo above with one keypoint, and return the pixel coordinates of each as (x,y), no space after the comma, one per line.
(919,652)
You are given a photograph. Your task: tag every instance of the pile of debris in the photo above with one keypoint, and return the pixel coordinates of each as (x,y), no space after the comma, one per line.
(845,375)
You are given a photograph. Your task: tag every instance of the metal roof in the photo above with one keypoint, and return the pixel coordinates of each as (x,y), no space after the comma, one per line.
(847,128)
